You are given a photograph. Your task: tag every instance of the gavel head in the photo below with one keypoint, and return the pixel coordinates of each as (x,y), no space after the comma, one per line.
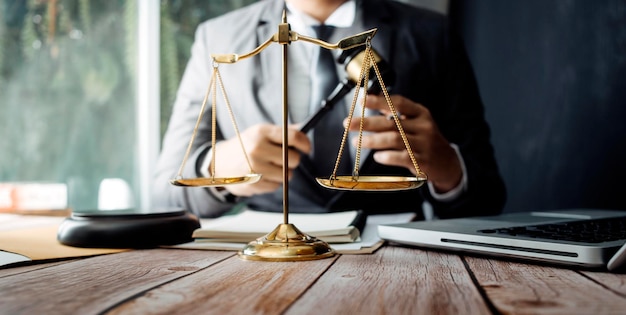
(353,61)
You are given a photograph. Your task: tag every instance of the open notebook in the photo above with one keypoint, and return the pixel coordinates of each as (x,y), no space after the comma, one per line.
(579,237)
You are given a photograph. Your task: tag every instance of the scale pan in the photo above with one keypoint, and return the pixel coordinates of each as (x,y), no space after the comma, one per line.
(216,181)
(372,183)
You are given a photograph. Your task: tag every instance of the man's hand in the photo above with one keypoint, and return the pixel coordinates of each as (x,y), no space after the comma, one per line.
(433,152)
(263,143)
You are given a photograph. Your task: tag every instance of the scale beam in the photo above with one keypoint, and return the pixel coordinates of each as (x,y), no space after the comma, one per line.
(344,44)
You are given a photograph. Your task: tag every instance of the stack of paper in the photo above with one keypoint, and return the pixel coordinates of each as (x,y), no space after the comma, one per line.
(367,242)
(335,227)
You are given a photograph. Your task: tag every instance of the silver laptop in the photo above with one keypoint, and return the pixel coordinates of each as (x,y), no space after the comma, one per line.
(590,238)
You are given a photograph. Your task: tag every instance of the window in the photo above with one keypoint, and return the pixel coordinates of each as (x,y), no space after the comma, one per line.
(179,19)
(70,84)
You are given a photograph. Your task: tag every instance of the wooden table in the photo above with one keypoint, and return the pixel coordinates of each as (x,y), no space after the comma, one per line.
(393,280)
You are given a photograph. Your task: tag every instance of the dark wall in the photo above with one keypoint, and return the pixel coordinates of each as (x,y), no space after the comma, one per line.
(552,75)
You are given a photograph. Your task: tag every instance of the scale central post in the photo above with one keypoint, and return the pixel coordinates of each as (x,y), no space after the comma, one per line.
(284,39)
(286,242)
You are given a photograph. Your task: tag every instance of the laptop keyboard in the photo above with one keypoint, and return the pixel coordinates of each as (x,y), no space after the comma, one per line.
(587,231)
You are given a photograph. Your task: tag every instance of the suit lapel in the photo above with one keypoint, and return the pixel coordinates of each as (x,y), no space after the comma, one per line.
(375,15)
(371,15)
(270,62)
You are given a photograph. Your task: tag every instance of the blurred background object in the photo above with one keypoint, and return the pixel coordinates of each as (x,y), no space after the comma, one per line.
(552,75)
(115,194)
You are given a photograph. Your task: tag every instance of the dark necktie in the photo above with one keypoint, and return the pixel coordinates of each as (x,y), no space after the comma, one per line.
(327,134)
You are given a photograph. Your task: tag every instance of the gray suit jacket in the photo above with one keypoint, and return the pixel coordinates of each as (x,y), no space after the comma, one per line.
(431,68)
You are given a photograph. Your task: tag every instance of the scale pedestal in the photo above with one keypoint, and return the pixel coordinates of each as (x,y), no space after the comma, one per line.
(286,243)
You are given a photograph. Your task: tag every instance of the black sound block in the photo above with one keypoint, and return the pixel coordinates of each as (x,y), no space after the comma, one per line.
(127,228)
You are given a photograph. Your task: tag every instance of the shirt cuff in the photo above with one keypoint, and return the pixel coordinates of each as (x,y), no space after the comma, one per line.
(218,193)
(204,167)
(456,191)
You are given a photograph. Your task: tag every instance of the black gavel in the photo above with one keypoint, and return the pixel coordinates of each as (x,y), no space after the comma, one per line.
(353,60)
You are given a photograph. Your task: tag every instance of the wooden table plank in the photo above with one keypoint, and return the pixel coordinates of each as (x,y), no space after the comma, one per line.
(394,280)
(612,281)
(9,271)
(92,285)
(233,286)
(518,288)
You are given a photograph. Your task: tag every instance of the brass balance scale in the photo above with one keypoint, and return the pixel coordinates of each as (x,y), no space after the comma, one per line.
(286,242)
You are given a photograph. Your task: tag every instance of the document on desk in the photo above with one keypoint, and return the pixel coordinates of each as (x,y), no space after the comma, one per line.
(35,237)
(7,258)
(368,242)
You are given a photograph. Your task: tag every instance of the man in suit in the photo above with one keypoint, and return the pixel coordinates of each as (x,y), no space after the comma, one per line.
(434,90)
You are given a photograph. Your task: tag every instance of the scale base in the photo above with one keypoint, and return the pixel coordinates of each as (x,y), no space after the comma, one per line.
(286,243)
